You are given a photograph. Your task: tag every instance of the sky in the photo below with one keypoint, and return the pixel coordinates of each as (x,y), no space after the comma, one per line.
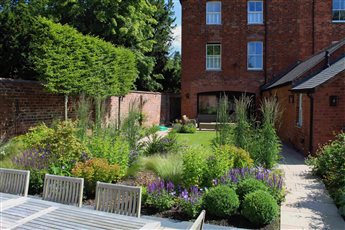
(176,45)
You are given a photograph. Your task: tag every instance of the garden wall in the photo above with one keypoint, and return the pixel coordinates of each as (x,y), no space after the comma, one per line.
(24,104)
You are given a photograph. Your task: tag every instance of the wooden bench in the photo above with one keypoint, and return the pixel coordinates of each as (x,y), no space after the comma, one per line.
(207,121)
(14,181)
(199,222)
(65,190)
(119,199)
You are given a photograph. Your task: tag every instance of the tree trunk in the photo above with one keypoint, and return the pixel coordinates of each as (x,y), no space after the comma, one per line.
(66,107)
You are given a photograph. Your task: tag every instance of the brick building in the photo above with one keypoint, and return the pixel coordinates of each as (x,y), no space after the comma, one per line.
(245,46)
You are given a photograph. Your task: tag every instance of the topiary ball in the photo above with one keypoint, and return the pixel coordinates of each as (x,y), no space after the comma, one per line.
(260,207)
(249,185)
(221,201)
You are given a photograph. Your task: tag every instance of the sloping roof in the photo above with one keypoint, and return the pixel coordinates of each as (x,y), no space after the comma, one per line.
(322,77)
(305,66)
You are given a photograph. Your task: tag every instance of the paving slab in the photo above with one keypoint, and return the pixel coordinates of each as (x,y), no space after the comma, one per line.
(307,204)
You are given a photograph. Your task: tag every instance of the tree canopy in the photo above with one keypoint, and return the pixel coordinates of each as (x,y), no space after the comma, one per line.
(71,63)
(143,26)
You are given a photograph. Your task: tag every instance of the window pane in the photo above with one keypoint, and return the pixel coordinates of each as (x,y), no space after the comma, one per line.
(213,7)
(209,50)
(251,48)
(258,62)
(216,50)
(342,15)
(258,48)
(259,6)
(336,4)
(251,6)
(251,62)
(208,104)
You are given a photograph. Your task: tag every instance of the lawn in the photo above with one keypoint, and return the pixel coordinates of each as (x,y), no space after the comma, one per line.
(203,138)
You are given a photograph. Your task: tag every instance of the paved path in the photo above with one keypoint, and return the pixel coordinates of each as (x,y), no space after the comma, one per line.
(307,204)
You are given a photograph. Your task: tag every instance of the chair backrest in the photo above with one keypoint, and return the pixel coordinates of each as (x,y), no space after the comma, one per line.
(65,190)
(14,181)
(199,222)
(119,199)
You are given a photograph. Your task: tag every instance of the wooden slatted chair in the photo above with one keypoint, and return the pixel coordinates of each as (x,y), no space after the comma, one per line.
(65,190)
(119,199)
(14,181)
(199,222)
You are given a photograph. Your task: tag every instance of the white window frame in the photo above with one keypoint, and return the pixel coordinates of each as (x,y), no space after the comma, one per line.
(214,57)
(342,8)
(300,110)
(214,13)
(249,12)
(256,55)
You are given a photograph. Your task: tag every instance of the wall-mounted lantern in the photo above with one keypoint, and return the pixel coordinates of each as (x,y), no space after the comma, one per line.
(333,100)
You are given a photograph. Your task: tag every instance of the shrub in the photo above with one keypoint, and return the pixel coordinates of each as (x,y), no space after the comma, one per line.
(249,185)
(158,144)
(194,165)
(188,128)
(243,129)
(190,202)
(218,164)
(329,164)
(96,170)
(39,163)
(272,179)
(221,201)
(131,127)
(168,167)
(10,148)
(111,147)
(224,131)
(160,195)
(266,147)
(61,142)
(240,157)
(260,207)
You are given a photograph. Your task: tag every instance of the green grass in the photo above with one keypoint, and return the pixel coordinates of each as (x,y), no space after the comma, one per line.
(203,138)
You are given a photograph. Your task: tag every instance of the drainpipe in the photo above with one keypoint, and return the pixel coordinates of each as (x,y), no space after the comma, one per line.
(266,39)
(311,122)
(328,59)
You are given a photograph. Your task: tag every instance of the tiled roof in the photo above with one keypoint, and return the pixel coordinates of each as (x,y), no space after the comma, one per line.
(322,77)
(305,66)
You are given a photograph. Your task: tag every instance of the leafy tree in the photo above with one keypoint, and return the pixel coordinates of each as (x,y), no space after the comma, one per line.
(164,15)
(15,23)
(71,63)
(127,23)
(172,74)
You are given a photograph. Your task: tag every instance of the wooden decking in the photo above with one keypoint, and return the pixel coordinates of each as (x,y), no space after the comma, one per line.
(28,213)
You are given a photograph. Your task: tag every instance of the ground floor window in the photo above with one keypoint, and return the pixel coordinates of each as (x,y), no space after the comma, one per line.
(208,102)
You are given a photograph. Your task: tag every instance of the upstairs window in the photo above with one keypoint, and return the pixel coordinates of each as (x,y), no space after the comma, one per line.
(213,57)
(213,13)
(338,11)
(255,12)
(255,56)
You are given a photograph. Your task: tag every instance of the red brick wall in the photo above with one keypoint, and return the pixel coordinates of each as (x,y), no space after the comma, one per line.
(288,36)
(155,107)
(329,120)
(24,104)
(288,130)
